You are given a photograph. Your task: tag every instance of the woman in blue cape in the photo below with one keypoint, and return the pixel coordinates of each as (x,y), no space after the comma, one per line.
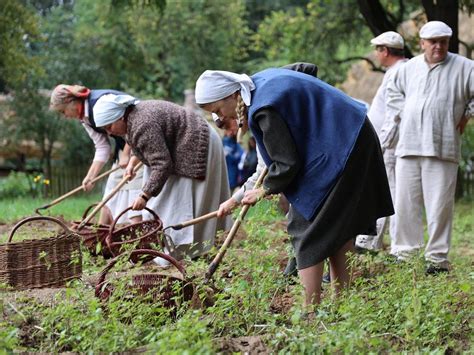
(322,154)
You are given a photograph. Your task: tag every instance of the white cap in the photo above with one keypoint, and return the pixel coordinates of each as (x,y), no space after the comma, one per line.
(434,29)
(389,39)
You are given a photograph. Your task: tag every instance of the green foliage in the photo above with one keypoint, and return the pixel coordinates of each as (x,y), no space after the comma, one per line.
(8,335)
(15,185)
(146,50)
(18,28)
(389,308)
(312,34)
(32,121)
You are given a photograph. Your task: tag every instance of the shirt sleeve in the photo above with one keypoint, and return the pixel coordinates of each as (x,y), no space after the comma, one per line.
(281,149)
(395,97)
(251,181)
(150,142)
(101,143)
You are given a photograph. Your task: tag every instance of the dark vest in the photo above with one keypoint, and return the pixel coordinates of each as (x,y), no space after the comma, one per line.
(324,123)
(93,97)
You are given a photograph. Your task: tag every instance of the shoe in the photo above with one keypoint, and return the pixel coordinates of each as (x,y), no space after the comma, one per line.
(361,250)
(161,262)
(290,269)
(434,269)
(327,278)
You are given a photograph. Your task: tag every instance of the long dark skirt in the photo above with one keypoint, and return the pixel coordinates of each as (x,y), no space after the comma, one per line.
(359,198)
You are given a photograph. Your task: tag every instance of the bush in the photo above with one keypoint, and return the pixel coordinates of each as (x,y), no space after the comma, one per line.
(17,184)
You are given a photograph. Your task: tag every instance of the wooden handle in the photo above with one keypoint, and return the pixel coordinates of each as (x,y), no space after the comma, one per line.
(230,237)
(76,190)
(107,198)
(194,221)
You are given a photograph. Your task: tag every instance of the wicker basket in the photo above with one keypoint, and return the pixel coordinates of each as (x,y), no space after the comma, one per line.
(93,235)
(163,287)
(143,233)
(40,263)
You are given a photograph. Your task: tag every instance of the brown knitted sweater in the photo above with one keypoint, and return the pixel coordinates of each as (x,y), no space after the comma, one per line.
(169,139)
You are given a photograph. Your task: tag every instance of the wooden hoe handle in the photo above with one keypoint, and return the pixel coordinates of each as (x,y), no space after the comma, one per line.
(107,198)
(76,190)
(230,237)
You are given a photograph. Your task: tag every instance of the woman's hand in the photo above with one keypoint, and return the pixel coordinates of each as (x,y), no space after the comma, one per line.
(124,160)
(94,170)
(226,207)
(87,184)
(251,197)
(124,156)
(129,172)
(140,202)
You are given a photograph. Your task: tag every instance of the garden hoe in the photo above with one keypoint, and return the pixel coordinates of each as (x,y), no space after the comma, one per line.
(76,190)
(197,300)
(230,237)
(107,198)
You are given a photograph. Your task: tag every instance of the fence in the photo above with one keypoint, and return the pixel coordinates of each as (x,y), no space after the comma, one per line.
(64,180)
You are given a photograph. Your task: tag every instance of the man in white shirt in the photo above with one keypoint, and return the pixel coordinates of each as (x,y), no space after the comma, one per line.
(430,100)
(389,50)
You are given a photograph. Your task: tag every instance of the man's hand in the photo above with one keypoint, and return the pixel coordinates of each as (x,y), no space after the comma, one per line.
(226,207)
(462,124)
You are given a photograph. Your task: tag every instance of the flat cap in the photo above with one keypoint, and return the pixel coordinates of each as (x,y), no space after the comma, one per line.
(389,39)
(434,29)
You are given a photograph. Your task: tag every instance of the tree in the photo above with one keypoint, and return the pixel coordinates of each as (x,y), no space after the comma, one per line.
(32,121)
(313,34)
(18,27)
(446,11)
(380,20)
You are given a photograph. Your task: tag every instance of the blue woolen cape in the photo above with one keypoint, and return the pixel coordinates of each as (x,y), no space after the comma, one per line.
(324,123)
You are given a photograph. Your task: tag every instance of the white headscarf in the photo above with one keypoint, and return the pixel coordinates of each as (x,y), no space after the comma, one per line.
(110,108)
(214,85)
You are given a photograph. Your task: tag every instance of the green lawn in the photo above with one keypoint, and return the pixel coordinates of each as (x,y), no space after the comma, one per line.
(389,308)
(11,210)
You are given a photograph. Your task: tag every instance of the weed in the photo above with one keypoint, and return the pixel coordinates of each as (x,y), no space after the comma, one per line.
(389,308)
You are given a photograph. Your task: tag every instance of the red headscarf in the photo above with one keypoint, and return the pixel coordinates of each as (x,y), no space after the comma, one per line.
(63,94)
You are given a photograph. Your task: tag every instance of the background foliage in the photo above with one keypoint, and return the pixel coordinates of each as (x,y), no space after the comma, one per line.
(158,48)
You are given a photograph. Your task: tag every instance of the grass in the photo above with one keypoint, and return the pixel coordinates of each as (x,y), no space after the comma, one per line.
(389,308)
(12,210)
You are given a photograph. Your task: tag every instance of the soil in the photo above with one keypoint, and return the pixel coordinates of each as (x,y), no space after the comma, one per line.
(282,303)
(245,345)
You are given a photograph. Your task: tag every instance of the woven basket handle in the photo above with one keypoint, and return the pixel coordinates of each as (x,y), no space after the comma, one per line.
(112,227)
(37,218)
(151,252)
(108,239)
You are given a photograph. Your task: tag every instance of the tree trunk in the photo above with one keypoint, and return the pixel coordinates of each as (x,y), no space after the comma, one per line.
(376,16)
(446,11)
(378,20)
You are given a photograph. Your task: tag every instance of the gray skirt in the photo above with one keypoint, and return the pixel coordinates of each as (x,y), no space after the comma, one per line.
(358,199)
